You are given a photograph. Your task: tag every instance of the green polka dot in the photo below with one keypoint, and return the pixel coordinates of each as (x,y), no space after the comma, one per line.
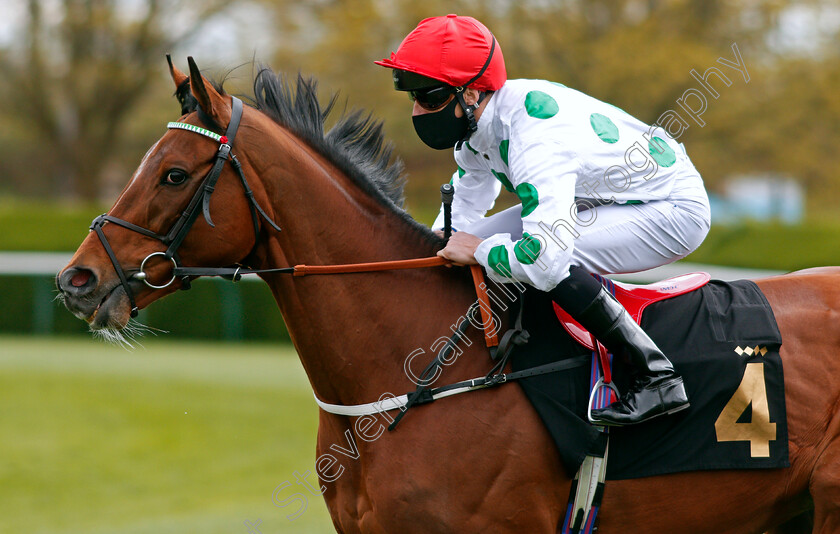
(499,261)
(461,172)
(540,105)
(474,151)
(527,249)
(503,150)
(606,129)
(502,177)
(662,153)
(527,193)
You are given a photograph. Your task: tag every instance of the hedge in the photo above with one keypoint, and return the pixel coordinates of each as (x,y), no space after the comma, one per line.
(212,309)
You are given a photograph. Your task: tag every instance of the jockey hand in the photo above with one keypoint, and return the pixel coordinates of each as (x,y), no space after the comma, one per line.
(460,249)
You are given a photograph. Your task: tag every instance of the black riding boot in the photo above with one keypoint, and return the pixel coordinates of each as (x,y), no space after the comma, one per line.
(657,389)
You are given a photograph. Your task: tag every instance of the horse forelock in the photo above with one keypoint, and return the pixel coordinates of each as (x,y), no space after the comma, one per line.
(185,98)
(189,104)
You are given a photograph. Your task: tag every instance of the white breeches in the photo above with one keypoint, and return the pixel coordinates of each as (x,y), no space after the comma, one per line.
(622,238)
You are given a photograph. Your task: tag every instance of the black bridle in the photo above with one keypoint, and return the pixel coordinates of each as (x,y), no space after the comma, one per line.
(199,202)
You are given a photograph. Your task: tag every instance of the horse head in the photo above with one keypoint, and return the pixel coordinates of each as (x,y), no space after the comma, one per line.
(184,205)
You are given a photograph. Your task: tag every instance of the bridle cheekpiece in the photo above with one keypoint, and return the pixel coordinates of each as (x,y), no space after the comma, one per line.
(200,202)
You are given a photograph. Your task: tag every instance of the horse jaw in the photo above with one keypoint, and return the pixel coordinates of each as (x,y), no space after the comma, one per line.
(113,311)
(111,321)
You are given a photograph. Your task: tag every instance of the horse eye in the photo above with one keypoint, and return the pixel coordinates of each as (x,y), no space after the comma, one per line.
(175,177)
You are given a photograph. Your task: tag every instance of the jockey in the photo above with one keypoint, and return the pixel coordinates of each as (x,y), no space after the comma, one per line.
(601,192)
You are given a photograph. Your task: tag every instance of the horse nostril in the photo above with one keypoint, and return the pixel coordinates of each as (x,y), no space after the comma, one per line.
(81,278)
(77,281)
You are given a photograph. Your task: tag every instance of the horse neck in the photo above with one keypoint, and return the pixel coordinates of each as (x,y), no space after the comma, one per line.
(353,332)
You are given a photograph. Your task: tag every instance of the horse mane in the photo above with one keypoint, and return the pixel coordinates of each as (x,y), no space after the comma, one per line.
(356,144)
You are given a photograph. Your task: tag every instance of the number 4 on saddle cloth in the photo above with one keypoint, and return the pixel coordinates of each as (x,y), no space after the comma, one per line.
(721,337)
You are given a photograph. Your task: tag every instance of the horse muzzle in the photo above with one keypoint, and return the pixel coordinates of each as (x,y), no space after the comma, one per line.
(88,297)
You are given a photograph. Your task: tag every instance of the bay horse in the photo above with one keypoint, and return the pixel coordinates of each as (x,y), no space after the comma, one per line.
(478,462)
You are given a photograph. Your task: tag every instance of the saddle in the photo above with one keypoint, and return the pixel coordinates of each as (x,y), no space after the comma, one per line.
(635,298)
(705,328)
(705,334)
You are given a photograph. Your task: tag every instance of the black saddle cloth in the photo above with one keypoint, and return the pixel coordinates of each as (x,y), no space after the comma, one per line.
(711,335)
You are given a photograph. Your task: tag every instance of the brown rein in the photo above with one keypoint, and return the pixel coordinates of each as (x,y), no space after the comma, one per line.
(235,274)
(418,263)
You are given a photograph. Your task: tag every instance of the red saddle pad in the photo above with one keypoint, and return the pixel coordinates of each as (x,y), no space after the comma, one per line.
(635,298)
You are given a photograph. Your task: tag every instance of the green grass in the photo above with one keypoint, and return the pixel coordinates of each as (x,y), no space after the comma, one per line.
(174,437)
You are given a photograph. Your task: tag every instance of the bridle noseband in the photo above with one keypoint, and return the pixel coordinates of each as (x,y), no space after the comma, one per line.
(199,202)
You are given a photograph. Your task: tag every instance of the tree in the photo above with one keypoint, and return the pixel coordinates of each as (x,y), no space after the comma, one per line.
(74,83)
(76,78)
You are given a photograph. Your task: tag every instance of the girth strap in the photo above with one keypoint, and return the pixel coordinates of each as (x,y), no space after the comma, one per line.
(587,490)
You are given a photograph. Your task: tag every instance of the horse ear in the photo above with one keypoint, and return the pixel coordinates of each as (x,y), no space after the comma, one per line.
(182,88)
(210,101)
(177,76)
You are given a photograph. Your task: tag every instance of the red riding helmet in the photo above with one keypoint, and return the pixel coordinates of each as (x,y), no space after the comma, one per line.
(449,49)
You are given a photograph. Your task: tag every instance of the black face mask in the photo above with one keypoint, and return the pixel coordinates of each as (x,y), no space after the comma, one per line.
(441,129)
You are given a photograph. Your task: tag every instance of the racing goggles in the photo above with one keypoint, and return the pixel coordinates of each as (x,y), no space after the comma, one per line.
(432,98)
